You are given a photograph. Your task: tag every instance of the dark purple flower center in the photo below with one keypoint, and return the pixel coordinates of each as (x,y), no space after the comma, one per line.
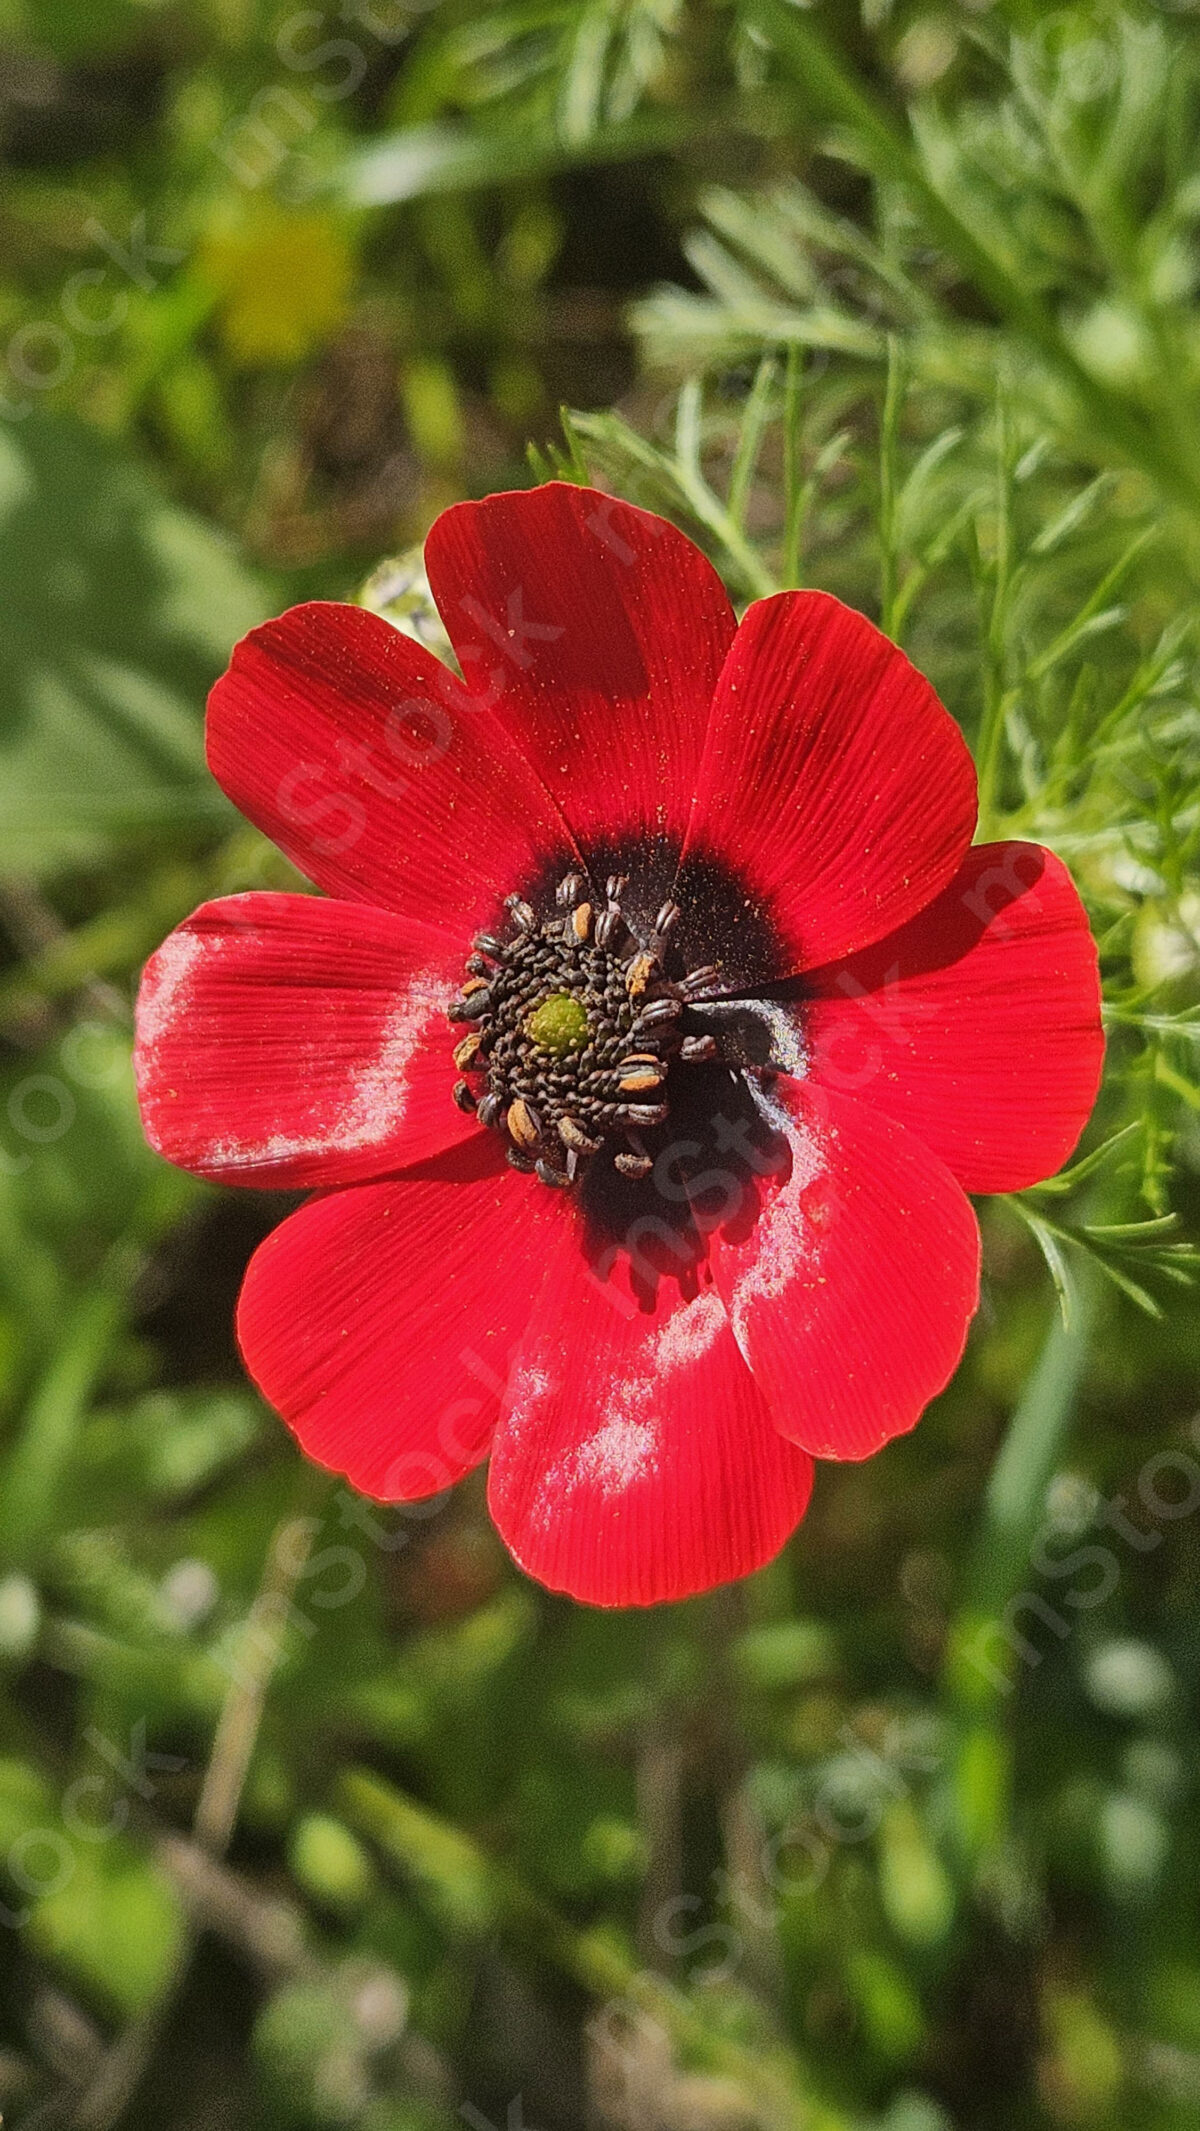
(577,1027)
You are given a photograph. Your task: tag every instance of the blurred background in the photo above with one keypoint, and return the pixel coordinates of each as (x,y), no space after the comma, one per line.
(314,1815)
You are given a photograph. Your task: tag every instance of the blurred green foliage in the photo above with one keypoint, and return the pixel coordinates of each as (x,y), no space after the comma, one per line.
(312,1814)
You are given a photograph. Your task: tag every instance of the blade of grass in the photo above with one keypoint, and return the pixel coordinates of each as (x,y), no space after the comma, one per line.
(755,417)
(889,443)
(796,495)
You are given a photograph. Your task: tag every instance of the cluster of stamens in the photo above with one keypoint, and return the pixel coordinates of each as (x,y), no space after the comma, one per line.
(575,1024)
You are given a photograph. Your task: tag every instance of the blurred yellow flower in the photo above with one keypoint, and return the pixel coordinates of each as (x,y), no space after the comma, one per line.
(283,282)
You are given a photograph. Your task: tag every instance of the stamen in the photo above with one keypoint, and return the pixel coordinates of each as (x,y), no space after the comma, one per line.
(699,981)
(640,1076)
(522,913)
(697,1050)
(577,1027)
(635,1165)
(659,1014)
(524,1124)
(471,1008)
(609,925)
(575,1140)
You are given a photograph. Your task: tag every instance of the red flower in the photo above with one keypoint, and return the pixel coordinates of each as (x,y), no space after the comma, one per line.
(744,998)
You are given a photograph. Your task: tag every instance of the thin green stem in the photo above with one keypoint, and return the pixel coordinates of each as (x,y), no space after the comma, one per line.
(889,442)
(708,508)
(794,486)
(989,1632)
(754,423)
(1014,1505)
(998,697)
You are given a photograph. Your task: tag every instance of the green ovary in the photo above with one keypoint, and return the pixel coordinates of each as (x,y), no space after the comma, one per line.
(558,1023)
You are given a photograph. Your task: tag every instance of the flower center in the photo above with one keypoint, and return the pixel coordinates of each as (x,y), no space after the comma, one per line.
(560,1024)
(576,1027)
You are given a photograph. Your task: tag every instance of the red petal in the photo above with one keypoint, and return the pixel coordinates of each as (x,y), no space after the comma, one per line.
(832,779)
(598,632)
(635,1459)
(851,1293)
(381,1321)
(977,1025)
(366,760)
(285,1040)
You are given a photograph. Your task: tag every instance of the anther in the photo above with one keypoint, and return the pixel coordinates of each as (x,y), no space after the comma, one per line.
(550,1175)
(488,944)
(667,919)
(639,973)
(569,890)
(699,981)
(490,1110)
(581,920)
(574,1137)
(524,1124)
(466,1052)
(609,925)
(697,1050)
(636,1165)
(521,913)
(615,886)
(463,1096)
(639,1079)
(644,1113)
(657,1015)
(472,1008)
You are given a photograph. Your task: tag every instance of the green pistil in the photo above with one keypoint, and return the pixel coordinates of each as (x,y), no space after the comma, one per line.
(559,1024)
